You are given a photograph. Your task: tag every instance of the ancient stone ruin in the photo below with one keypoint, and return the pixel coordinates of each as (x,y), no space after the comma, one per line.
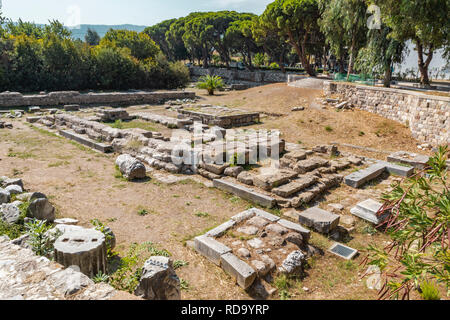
(272,245)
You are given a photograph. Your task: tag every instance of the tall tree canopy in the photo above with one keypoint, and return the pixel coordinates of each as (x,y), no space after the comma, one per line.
(158,34)
(344,23)
(425,22)
(140,44)
(297,21)
(380,54)
(92,38)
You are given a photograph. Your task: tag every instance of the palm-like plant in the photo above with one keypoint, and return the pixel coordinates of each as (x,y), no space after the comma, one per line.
(210,83)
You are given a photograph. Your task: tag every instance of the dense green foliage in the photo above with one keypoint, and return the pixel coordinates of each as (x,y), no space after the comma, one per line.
(425,22)
(37,58)
(307,34)
(92,38)
(419,221)
(295,21)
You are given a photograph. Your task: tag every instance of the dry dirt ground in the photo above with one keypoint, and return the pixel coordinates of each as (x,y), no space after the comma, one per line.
(83,184)
(316,125)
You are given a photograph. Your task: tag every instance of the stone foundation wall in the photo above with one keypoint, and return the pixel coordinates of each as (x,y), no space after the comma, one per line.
(223,121)
(16,99)
(242,75)
(427,116)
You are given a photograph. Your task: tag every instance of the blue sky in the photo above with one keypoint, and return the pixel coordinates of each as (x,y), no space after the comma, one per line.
(139,12)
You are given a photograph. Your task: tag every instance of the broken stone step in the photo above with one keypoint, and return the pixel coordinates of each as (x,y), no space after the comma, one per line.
(244,193)
(359,178)
(320,220)
(105,148)
(296,155)
(316,190)
(306,234)
(308,165)
(214,168)
(241,271)
(367,210)
(399,170)
(295,186)
(210,248)
(415,160)
(269,181)
(33,119)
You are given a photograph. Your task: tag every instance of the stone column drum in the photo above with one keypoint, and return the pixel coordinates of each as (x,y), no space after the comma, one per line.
(84,248)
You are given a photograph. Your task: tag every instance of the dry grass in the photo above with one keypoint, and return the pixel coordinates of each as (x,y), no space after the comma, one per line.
(355,127)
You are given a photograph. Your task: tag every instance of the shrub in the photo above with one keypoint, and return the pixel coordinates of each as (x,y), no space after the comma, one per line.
(274,65)
(210,83)
(429,291)
(39,240)
(419,216)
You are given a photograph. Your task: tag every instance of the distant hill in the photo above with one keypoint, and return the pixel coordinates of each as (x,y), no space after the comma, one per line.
(79,33)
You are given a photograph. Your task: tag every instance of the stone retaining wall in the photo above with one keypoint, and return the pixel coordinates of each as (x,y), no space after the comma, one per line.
(242,75)
(25,276)
(427,116)
(16,99)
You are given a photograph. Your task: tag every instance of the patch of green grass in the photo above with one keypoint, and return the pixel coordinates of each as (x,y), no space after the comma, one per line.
(13,231)
(429,291)
(202,214)
(118,174)
(21,155)
(192,236)
(276,211)
(283,284)
(184,285)
(235,199)
(179,263)
(125,272)
(347,265)
(58,164)
(117,124)
(140,124)
(142,212)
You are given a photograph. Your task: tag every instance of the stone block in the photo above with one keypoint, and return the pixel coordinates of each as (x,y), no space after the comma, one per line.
(105,148)
(265,215)
(308,165)
(273,180)
(240,270)
(245,193)
(243,215)
(320,220)
(214,168)
(295,186)
(220,230)
(296,227)
(359,178)
(415,160)
(399,170)
(210,248)
(367,210)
